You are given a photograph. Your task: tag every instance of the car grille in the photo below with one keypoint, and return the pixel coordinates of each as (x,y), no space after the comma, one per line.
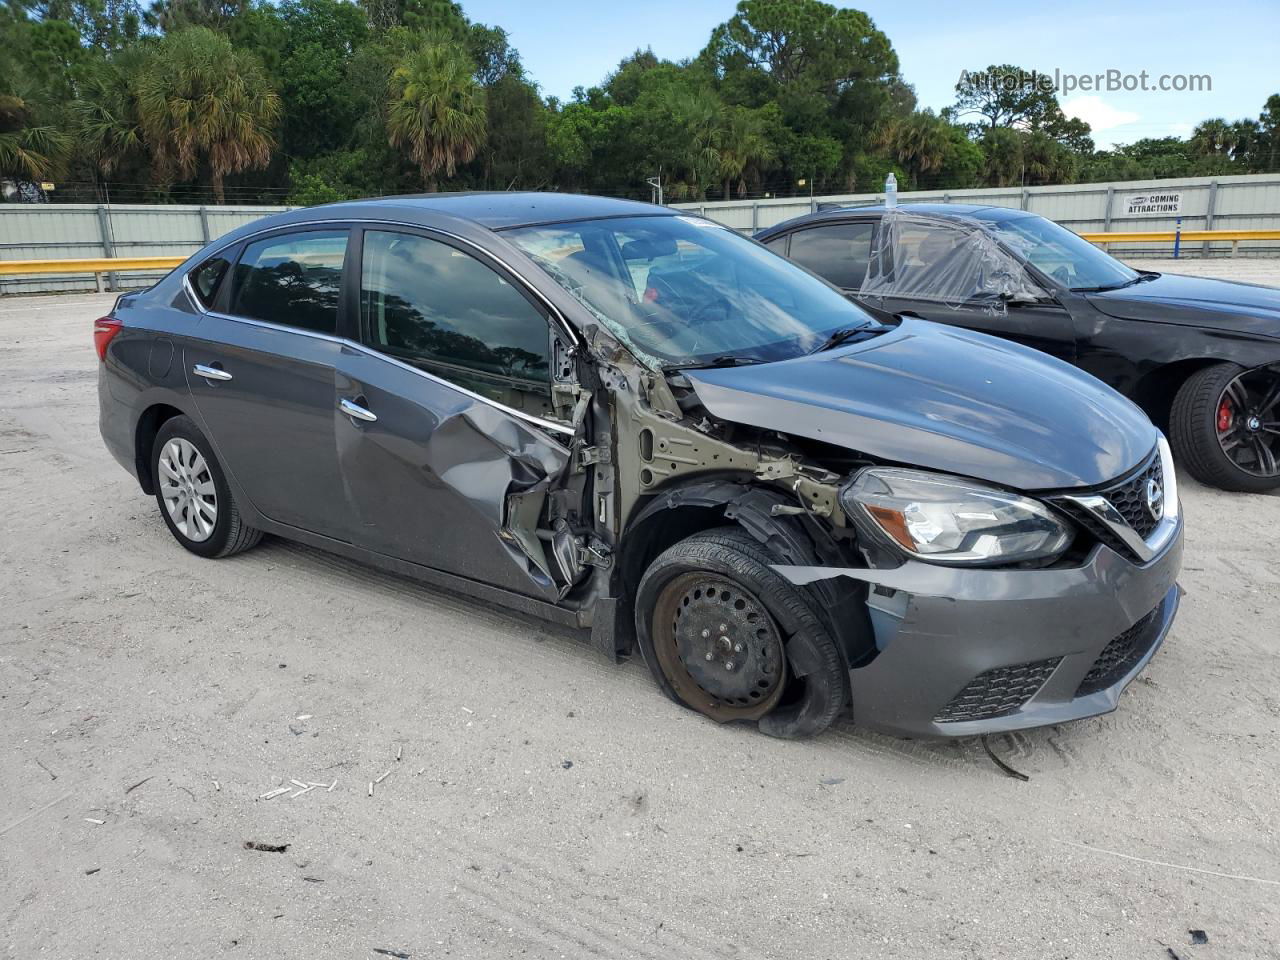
(1129,497)
(1121,655)
(998,692)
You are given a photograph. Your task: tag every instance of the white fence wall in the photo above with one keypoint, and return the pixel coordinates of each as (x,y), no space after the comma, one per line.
(51,231)
(40,231)
(1208,203)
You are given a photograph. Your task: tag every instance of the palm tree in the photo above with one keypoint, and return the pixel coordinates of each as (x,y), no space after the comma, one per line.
(743,143)
(436,108)
(204,106)
(29,150)
(919,142)
(105,116)
(1213,137)
(701,117)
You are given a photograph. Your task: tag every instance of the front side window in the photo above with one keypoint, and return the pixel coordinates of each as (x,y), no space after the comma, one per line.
(955,263)
(684,291)
(1067,257)
(293,279)
(432,305)
(838,252)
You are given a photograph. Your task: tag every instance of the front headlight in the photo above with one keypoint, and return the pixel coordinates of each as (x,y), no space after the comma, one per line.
(946,519)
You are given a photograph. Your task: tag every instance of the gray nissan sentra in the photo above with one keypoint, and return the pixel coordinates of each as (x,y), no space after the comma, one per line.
(638,423)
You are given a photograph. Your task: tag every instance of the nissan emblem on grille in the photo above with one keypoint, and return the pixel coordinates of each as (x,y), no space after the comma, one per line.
(1155,499)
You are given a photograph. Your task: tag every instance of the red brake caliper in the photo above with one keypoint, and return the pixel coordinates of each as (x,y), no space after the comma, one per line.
(1224,415)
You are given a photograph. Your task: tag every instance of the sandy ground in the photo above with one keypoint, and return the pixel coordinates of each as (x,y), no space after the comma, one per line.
(547,804)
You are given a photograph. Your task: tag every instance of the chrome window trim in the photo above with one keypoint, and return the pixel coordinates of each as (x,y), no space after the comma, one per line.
(1107,514)
(367,351)
(560,320)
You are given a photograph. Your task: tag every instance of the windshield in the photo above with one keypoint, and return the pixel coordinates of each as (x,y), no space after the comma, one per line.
(685,291)
(1057,252)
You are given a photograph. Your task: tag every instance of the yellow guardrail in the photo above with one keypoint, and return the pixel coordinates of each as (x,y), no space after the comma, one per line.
(97,266)
(1234,237)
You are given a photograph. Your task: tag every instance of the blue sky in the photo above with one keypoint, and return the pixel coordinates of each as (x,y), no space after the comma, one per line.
(1236,42)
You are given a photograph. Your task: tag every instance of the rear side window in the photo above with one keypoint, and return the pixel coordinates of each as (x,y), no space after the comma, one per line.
(294,279)
(439,308)
(778,244)
(206,278)
(839,252)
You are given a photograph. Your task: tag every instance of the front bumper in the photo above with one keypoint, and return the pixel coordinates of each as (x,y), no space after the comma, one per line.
(1014,648)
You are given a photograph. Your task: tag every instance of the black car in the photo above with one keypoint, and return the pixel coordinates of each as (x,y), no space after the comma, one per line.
(641,424)
(1200,356)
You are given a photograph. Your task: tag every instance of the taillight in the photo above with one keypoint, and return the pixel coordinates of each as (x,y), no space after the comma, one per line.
(104,328)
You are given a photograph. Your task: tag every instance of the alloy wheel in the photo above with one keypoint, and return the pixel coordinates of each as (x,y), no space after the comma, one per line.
(1248,423)
(187,489)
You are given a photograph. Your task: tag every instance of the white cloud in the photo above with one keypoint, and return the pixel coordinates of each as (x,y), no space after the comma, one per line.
(1096,112)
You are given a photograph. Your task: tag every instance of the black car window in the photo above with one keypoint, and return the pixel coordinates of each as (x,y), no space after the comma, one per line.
(294,279)
(206,278)
(949,262)
(778,244)
(443,310)
(838,252)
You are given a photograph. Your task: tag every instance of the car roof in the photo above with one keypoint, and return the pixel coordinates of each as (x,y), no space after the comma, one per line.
(943,211)
(497,210)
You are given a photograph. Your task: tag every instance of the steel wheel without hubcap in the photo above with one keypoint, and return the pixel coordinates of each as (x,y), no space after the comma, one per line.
(1248,423)
(187,489)
(719,648)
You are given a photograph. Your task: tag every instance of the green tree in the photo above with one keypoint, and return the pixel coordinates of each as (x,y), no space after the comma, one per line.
(832,74)
(206,110)
(29,149)
(920,142)
(1267,149)
(105,118)
(744,143)
(437,110)
(1007,96)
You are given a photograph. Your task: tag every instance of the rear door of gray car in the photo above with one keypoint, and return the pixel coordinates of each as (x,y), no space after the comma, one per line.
(445,446)
(261,371)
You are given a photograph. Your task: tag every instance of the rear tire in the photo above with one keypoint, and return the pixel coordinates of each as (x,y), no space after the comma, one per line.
(1194,430)
(192,493)
(776,664)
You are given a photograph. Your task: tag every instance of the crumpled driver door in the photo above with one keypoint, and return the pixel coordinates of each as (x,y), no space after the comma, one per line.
(443,478)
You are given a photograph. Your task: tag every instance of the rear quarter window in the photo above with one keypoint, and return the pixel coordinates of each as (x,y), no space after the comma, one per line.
(206,278)
(838,253)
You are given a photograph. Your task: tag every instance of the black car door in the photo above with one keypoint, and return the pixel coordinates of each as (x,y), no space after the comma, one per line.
(260,368)
(941,271)
(443,439)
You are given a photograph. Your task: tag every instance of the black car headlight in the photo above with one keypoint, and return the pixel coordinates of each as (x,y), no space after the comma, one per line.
(951,520)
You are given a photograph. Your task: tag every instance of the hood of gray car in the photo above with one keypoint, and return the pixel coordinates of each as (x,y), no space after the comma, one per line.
(1195,301)
(952,400)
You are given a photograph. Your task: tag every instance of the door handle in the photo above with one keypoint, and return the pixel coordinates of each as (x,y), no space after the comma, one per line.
(210,373)
(355,411)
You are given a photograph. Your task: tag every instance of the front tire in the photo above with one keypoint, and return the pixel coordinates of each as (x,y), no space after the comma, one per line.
(725,635)
(1225,427)
(192,493)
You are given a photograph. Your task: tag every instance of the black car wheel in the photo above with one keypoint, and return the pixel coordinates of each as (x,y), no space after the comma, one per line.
(1225,427)
(725,635)
(193,495)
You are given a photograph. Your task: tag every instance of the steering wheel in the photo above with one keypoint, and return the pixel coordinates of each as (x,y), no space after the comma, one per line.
(703,313)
